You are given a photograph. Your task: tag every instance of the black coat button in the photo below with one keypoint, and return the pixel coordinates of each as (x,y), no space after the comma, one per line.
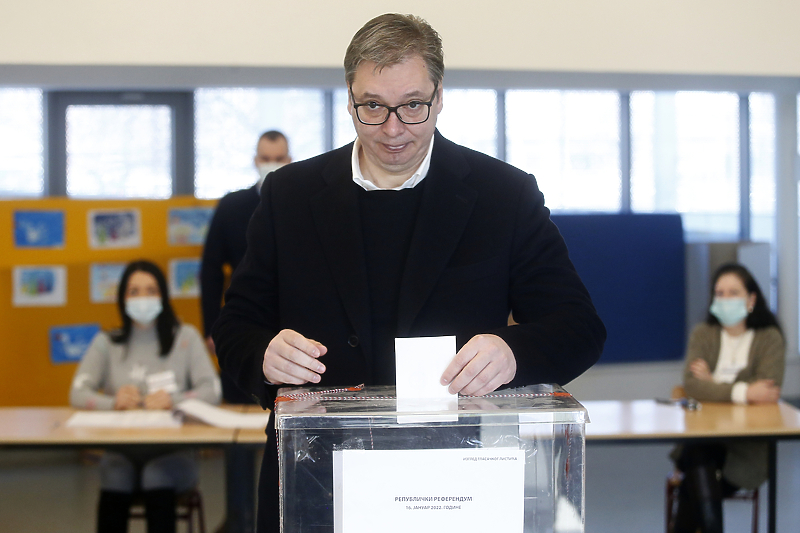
(353,341)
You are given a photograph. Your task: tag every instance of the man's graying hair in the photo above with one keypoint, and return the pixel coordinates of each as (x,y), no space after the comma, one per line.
(392,38)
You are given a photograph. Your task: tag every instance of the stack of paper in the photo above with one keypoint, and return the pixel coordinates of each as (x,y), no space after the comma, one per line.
(137,418)
(223,418)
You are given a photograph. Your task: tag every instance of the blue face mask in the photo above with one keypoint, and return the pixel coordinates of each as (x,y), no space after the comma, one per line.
(729,311)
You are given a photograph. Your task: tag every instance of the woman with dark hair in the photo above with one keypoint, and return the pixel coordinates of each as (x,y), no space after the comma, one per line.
(736,355)
(151,362)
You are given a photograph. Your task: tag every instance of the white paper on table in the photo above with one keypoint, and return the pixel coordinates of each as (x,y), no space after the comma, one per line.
(222,418)
(419,363)
(397,491)
(136,418)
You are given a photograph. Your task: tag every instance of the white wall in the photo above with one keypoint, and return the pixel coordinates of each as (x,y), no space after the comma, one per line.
(738,37)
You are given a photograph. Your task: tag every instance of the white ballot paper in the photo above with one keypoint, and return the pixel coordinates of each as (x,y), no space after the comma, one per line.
(398,491)
(419,364)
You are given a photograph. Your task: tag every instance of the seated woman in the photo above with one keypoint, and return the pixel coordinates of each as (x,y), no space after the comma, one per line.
(151,362)
(736,355)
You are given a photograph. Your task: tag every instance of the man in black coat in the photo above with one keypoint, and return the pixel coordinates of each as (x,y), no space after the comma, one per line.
(401,234)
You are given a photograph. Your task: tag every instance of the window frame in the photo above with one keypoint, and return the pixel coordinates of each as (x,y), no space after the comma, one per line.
(181,104)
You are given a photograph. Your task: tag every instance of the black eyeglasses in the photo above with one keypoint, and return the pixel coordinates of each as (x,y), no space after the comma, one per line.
(375,114)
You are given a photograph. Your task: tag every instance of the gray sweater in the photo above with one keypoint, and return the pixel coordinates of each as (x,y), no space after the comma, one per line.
(107,366)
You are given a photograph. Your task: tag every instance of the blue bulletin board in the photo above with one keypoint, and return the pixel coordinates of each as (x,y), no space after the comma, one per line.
(633,266)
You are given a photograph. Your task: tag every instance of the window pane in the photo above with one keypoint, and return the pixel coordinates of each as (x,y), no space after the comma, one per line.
(762,166)
(570,141)
(119,151)
(229,122)
(685,158)
(469,118)
(343,130)
(21,152)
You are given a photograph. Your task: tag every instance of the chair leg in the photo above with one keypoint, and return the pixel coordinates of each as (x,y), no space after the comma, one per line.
(755,511)
(201,515)
(194,506)
(190,515)
(668,512)
(671,496)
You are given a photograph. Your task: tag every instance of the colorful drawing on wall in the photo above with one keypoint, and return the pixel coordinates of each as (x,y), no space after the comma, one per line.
(188,225)
(184,278)
(115,228)
(103,281)
(36,286)
(69,343)
(39,229)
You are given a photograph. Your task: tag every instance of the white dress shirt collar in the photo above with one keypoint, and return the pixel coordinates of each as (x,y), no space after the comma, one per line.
(413,181)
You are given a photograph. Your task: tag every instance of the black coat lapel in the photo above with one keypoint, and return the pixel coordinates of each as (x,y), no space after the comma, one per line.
(443,214)
(336,217)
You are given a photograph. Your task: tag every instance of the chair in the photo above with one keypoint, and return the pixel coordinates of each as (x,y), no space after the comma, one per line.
(186,505)
(673,486)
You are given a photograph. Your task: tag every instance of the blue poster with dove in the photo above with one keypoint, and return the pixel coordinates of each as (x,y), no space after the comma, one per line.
(69,343)
(39,229)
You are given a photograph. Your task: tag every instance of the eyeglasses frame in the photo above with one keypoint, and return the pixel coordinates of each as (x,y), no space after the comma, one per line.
(393,109)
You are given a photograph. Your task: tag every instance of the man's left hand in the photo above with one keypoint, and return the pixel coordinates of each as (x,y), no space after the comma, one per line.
(482,365)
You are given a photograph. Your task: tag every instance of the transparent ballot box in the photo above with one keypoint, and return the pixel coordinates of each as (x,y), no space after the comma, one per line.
(358,461)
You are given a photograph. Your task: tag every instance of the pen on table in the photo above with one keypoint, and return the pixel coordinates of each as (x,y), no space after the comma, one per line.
(690,404)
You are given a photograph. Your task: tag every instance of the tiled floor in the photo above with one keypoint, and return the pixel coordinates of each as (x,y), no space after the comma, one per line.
(54,491)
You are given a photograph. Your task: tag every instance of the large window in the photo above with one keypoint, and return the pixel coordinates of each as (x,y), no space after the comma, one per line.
(570,141)
(119,144)
(229,122)
(21,152)
(685,158)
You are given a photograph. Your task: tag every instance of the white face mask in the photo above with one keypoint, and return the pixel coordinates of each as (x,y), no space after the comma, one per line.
(264,169)
(143,309)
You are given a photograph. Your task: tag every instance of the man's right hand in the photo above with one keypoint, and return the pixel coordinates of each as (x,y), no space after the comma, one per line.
(292,359)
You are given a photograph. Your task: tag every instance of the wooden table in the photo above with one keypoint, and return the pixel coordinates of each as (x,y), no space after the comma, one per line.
(45,427)
(647,421)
